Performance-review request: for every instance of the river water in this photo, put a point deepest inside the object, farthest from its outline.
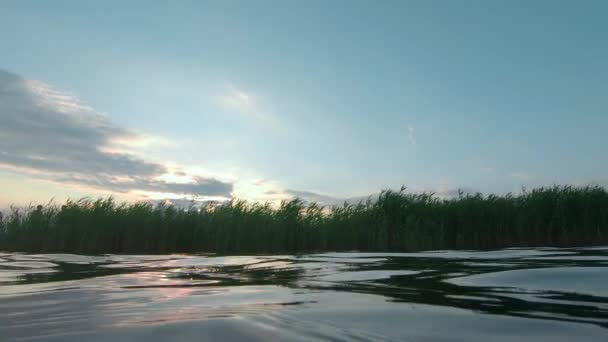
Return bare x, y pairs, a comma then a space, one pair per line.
507, 295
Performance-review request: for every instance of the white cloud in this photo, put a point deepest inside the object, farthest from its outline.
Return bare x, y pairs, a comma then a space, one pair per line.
245, 103
53, 136
324, 199
237, 99
411, 134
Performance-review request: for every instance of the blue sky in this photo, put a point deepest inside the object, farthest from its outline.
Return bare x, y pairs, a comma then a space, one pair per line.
334, 99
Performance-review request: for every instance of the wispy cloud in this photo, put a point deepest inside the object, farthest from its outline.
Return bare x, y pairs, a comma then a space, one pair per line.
310, 196
265, 190
442, 191
445, 191
238, 99
53, 136
244, 102
411, 134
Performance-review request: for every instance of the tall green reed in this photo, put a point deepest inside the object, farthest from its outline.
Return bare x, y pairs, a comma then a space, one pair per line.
394, 221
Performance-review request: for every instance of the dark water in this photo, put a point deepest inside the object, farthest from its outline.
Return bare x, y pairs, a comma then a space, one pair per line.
507, 295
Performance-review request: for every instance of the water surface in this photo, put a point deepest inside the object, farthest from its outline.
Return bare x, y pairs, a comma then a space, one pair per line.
540, 294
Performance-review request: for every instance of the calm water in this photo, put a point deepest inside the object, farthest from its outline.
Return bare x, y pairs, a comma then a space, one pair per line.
506, 295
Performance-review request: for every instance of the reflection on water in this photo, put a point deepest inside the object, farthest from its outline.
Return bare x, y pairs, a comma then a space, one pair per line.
513, 294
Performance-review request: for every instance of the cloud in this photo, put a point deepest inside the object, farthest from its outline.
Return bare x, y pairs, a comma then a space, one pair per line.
183, 203
442, 192
411, 134
53, 136
238, 99
450, 193
322, 199
246, 103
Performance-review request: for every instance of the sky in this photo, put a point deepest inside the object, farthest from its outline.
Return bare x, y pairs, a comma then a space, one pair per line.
325, 100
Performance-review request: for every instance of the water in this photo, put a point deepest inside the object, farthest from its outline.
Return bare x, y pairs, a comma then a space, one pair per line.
507, 295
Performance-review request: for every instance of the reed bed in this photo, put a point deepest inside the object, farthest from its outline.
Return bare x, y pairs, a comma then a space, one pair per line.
394, 221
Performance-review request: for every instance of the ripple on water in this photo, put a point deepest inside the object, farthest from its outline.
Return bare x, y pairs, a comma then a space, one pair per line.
365, 275
499, 254
28, 264
329, 296
454, 254
72, 258
574, 258
582, 280
181, 261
